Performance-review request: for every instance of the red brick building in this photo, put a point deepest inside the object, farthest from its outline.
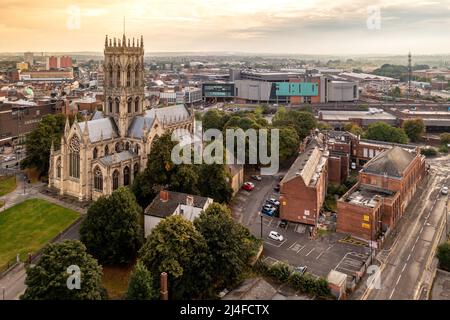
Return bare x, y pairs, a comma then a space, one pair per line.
303, 188
386, 185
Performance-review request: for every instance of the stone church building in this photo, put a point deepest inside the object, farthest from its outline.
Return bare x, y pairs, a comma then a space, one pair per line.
100, 155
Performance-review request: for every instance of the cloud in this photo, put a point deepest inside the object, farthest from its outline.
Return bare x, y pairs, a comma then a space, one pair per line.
232, 25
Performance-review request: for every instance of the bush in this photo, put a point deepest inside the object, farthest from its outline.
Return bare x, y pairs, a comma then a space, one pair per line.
309, 284
443, 254
279, 271
443, 148
429, 152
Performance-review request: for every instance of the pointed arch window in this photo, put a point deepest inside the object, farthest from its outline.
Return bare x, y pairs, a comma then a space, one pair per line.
118, 77
129, 76
136, 105
117, 105
106, 150
110, 105
74, 157
95, 153
129, 104
126, 176
98, 179
127, 146
110, 76
135, 170
136, 75
58, 168
115, 180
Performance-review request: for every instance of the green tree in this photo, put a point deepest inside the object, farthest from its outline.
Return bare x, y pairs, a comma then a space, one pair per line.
229, 246
354, 129
288, 143
185, 179
414, 128
112, 230
140, 285
303, 122
176, 247
443, 254
381, 131
214, 182
39, 141
214, 119
48, 279
445, 138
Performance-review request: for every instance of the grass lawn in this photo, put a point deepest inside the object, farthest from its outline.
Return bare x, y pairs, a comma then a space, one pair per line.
28, 226
7, 185
115, 280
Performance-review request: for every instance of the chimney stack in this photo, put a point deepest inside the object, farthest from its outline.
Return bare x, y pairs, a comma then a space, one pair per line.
164, 291
164, 195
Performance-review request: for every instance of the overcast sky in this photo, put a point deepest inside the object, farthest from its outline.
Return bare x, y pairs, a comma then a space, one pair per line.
265, 26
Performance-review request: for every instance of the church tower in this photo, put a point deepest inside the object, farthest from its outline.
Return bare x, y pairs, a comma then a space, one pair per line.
124, 80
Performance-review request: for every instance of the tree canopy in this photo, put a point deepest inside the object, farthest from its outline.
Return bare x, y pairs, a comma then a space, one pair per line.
414, 128
302, 121
176, 247
49, 278
229, 244
140, 285
39, 141
381, 131
112, 230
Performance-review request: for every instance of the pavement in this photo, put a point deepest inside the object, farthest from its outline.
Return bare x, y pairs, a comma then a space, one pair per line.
320, 255
441, 286
407, 262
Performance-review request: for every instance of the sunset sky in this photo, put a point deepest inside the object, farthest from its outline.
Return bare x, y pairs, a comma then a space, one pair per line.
265, 26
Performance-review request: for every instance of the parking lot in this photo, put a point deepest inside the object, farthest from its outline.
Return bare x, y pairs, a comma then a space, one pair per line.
321, 254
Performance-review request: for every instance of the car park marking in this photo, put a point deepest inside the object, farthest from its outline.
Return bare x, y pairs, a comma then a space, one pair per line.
292, 245
320, 254
310, 251
279, 243
301, 249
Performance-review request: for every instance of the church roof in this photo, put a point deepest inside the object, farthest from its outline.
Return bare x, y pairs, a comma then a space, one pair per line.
117, 157
171, 113
168, 114
105, 127
392, 162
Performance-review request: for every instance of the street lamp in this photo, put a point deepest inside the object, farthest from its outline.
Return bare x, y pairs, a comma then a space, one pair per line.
260, 214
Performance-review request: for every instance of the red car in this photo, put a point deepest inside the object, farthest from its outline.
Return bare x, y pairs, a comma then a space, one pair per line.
248, 186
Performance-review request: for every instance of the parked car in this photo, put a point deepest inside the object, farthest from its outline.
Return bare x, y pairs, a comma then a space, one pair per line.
280, 178
268, 210
248, 186
256, 177
277, 188
444, 190
301, 269
273, 201
276, 236
283, 224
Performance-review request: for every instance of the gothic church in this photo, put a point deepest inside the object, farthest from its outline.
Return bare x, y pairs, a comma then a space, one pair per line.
100, 155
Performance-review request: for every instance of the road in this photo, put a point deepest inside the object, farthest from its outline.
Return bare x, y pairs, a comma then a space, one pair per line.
405, 267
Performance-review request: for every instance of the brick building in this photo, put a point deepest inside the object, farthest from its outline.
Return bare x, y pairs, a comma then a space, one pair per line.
386, 185
17, 118
303, 188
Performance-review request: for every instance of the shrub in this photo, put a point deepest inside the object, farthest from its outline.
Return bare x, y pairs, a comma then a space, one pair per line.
443, 148
428, 152
443, 254
279, 271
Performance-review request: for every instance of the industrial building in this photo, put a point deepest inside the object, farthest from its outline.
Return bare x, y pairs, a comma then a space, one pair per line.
288, 87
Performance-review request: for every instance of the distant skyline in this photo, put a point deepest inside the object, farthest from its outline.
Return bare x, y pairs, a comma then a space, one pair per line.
317, 27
